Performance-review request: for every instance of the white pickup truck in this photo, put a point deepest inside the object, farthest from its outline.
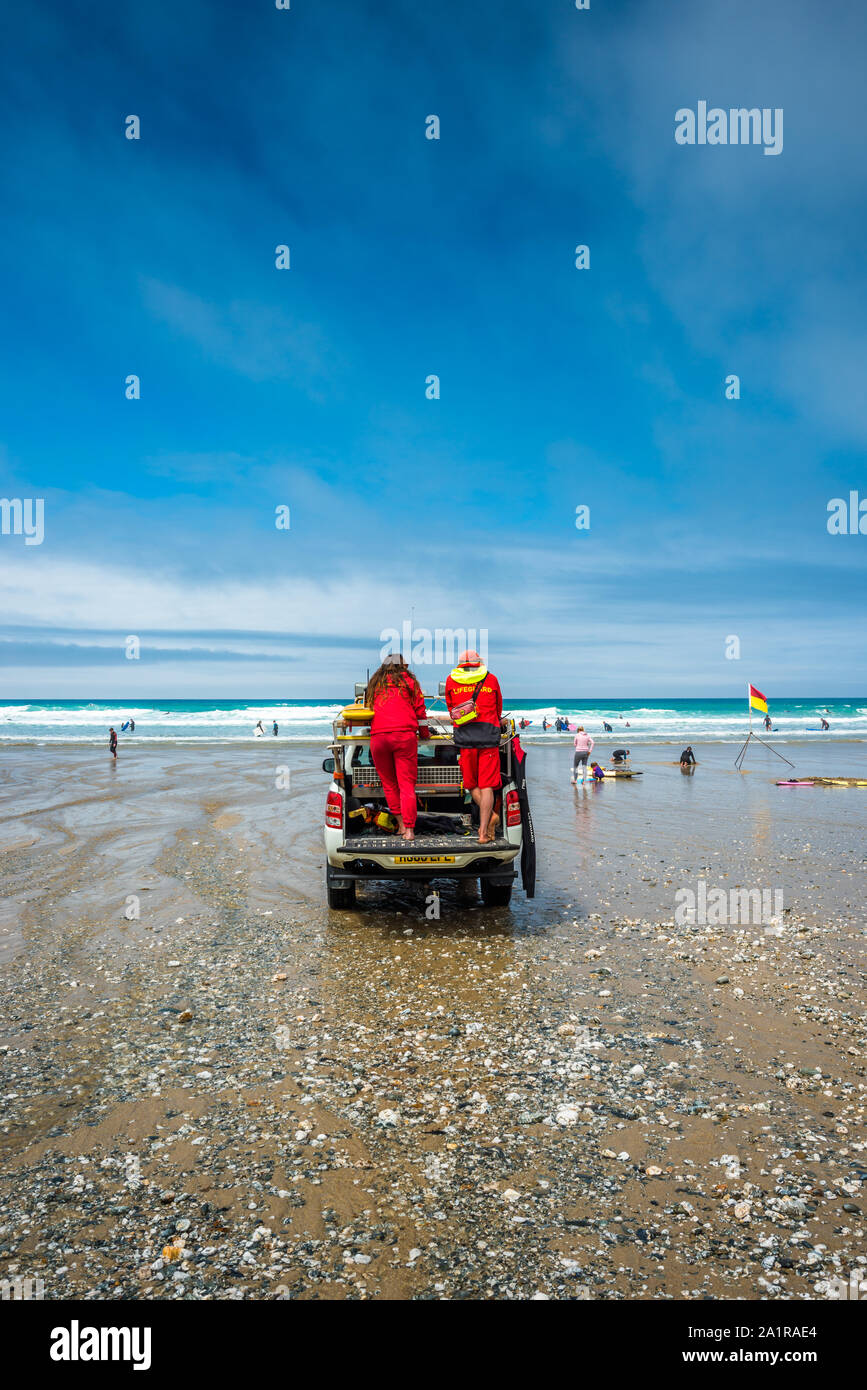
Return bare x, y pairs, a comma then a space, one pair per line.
446, 843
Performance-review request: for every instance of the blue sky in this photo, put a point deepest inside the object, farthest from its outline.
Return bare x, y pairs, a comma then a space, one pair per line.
409, 257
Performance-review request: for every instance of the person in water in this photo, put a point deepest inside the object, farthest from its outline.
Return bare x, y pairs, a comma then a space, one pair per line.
399, 721
687, 757
132, 726
767, 723
275, 730
583, 749
607, 727
475, 703
260, 726
825, 724
112, 743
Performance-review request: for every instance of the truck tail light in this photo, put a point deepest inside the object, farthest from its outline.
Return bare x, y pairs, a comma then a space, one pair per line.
334, 810
513, 808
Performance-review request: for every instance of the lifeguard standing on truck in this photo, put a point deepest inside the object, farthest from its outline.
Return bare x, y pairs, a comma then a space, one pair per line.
475, 703
399, 721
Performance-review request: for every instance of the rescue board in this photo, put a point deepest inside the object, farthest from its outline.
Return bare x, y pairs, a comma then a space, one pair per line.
840, 781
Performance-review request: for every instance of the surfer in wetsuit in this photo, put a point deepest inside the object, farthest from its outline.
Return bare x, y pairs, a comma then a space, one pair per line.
132, 726
112, 743
825, 724
276, 730
687, 757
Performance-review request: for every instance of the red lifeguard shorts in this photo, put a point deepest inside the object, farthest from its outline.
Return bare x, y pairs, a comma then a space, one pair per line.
480, 767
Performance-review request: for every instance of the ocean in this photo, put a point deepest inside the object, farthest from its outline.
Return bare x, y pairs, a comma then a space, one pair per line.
309, 721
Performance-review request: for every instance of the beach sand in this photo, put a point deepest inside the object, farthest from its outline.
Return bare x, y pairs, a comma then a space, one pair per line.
239, 1094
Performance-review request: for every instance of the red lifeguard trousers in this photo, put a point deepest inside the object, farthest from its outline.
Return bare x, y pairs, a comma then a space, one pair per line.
395, 757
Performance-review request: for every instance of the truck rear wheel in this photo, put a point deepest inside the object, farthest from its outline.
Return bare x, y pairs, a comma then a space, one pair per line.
339, 895
495, 894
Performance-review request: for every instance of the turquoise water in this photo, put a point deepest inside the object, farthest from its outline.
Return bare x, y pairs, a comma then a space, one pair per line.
674, 721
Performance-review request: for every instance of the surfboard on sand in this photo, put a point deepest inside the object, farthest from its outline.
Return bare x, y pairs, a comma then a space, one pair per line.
840, 781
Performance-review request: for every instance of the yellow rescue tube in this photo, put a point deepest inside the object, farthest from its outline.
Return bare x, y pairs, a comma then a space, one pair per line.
357, 714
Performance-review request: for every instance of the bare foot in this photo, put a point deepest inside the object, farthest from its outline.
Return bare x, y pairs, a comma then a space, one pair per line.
409, 834
492, 826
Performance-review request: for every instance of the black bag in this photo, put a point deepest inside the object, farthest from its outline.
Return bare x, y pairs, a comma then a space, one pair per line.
477, 734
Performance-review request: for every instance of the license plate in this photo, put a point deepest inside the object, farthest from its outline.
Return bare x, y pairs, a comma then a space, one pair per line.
424, 859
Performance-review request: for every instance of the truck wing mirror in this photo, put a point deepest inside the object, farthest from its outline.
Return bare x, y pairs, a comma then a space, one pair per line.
327, 764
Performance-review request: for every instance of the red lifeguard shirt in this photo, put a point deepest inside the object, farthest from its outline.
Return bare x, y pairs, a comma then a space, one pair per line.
399, 708
489, 705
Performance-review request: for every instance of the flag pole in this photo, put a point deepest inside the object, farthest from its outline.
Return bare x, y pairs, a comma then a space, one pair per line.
739, 760
740, 757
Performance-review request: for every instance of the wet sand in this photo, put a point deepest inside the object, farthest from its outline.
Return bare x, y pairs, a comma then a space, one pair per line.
239, 1094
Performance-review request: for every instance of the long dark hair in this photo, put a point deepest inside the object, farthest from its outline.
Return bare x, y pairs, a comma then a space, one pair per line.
394, 672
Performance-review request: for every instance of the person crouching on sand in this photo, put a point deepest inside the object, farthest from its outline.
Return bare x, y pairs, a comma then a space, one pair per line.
583, 748
399, 721
475, 703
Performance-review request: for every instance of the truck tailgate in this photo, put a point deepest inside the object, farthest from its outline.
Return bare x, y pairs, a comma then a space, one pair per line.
356, 845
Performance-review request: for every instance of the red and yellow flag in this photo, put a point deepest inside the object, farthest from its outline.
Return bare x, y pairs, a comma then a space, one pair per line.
757, 700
